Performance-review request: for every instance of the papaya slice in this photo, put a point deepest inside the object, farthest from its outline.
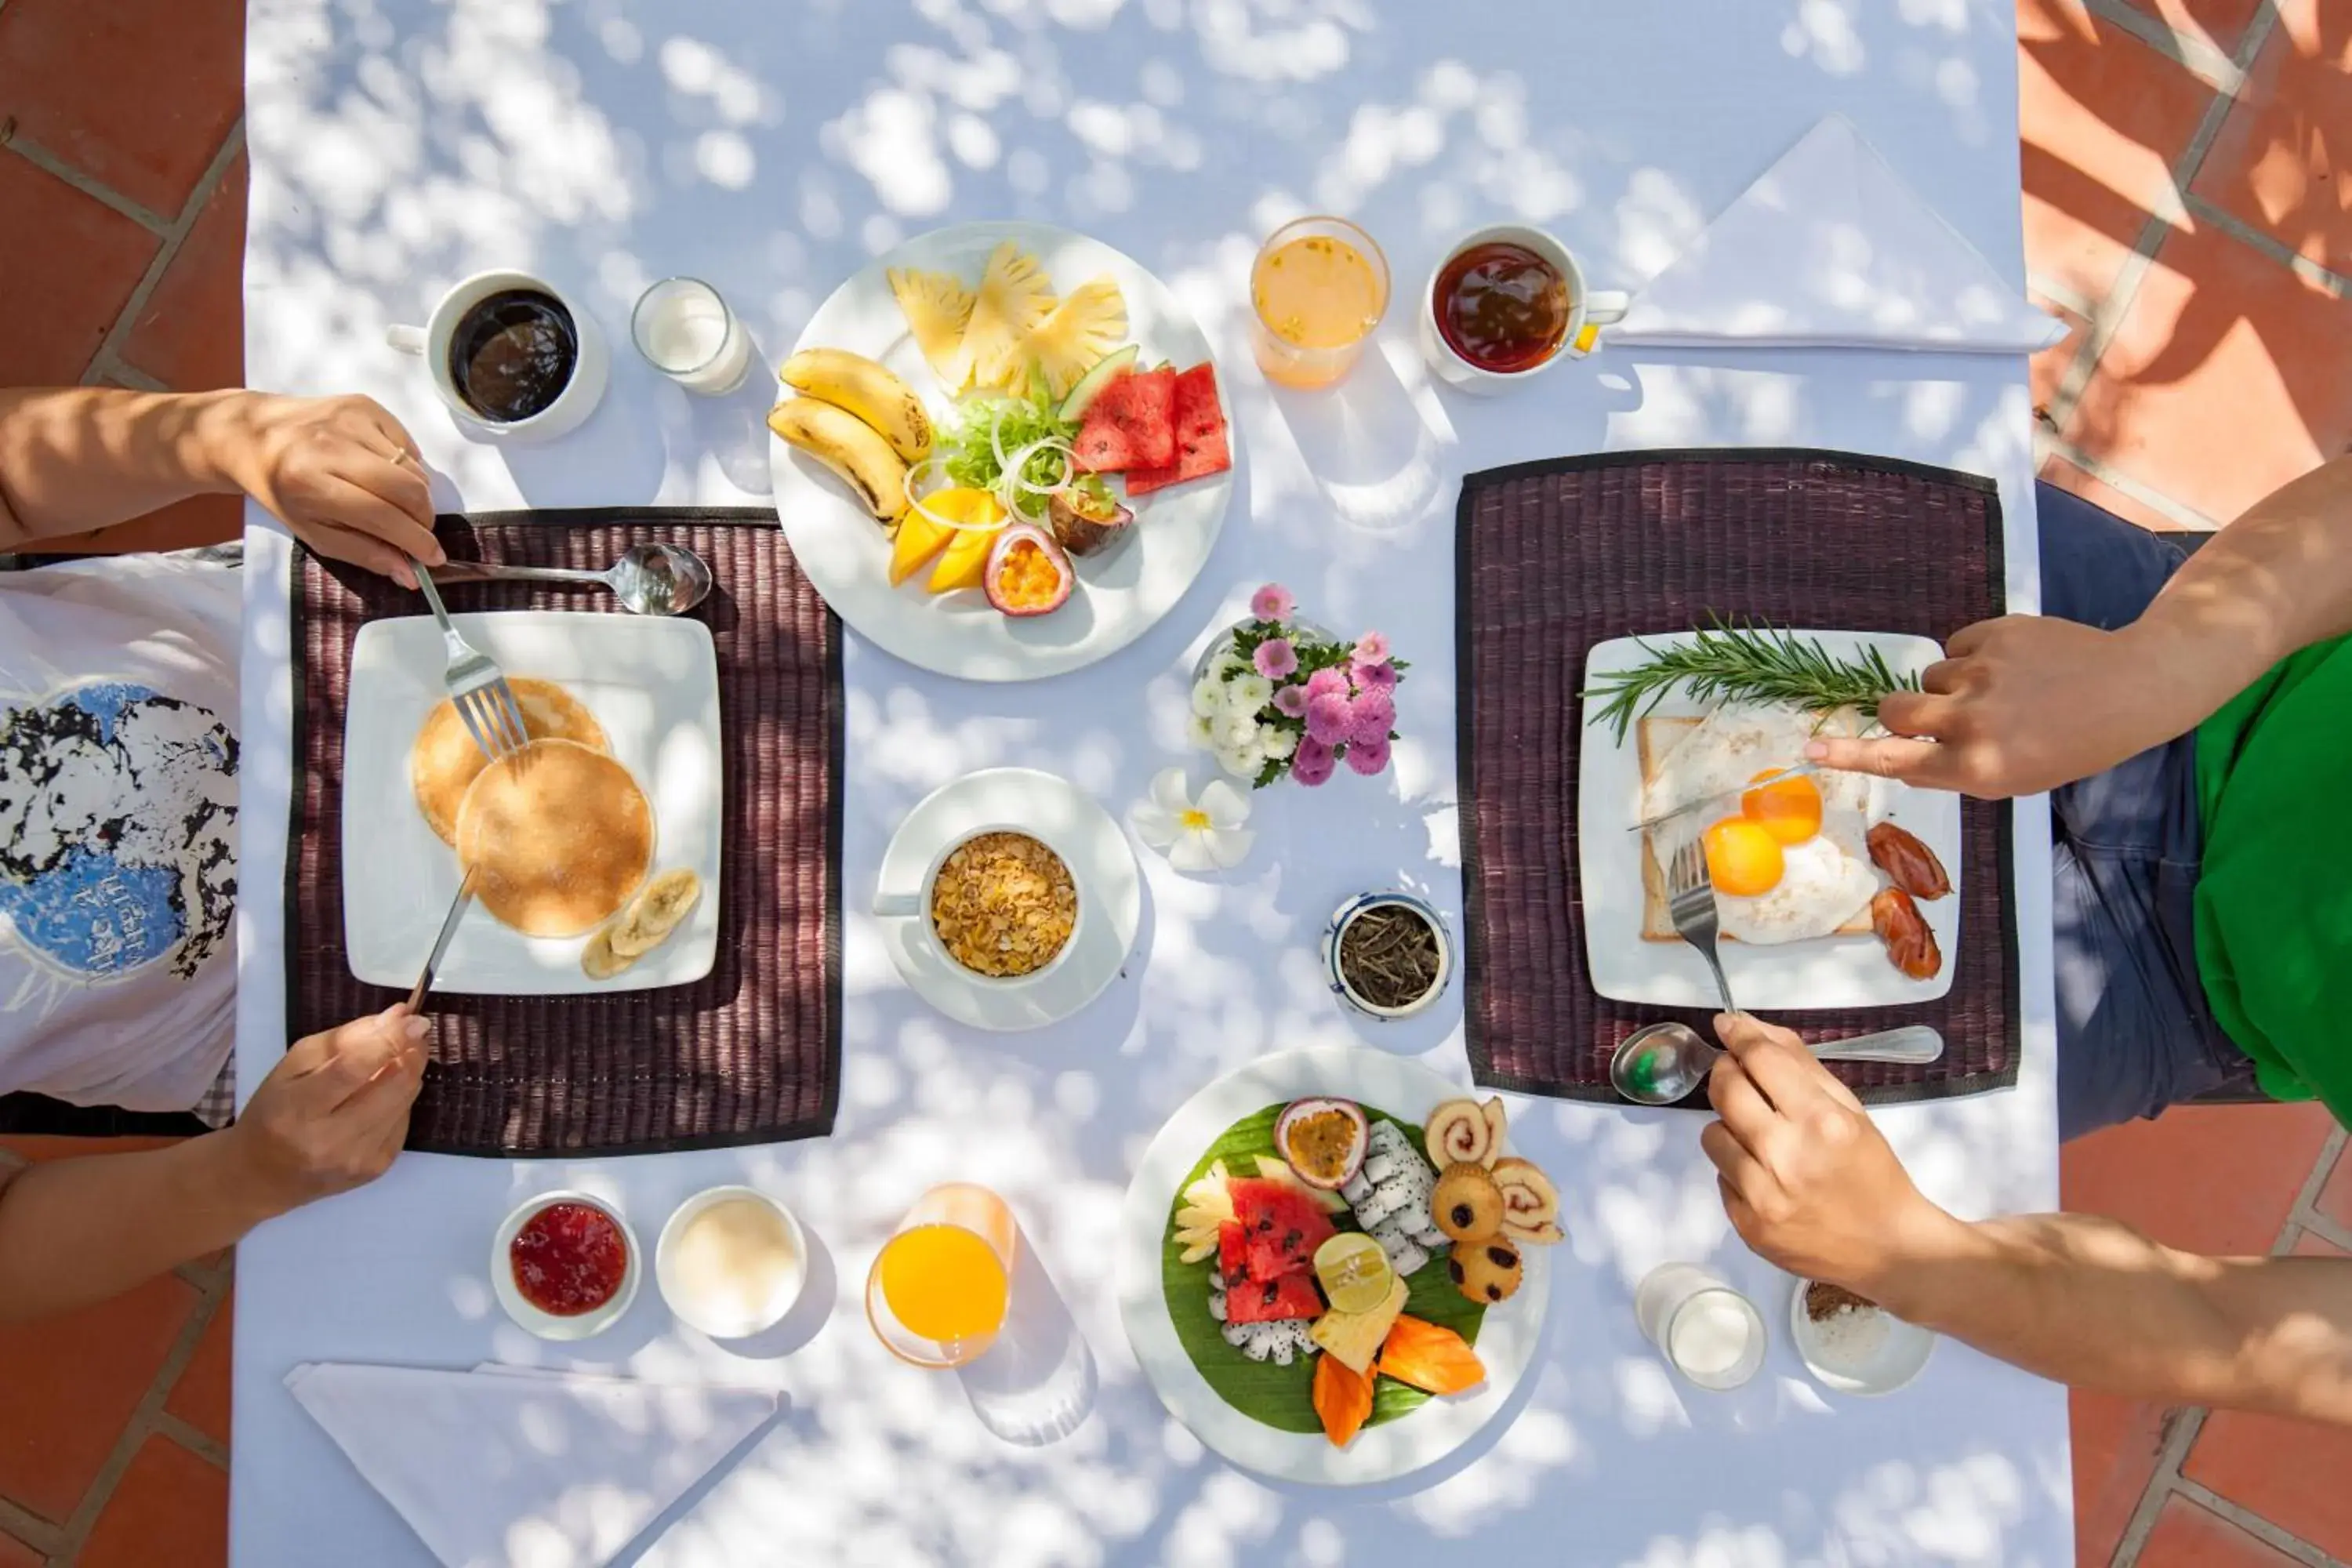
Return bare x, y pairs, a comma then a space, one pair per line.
1343, 1398
1432, 1359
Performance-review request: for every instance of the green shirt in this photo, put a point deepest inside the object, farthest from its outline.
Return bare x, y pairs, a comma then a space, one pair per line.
2275, 896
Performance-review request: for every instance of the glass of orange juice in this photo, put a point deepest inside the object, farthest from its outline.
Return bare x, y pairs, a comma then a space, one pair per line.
1319, 287
937, 1293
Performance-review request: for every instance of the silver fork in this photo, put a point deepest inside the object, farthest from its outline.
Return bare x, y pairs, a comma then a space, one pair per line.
478, 688
1690, 903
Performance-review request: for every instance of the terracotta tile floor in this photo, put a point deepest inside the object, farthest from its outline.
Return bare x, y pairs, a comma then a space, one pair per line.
2188, 171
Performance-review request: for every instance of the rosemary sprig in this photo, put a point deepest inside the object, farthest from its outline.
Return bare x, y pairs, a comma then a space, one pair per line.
1750, 662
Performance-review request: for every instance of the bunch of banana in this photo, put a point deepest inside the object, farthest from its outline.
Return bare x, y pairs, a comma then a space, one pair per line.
857, 419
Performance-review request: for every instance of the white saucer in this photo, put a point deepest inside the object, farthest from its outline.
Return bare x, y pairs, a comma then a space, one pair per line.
1111, 896
1898, 1361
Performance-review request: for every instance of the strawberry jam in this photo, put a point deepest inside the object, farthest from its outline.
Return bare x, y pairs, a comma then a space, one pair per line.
569, 1259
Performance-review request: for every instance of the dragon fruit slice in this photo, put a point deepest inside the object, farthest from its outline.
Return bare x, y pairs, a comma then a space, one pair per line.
1279, 1343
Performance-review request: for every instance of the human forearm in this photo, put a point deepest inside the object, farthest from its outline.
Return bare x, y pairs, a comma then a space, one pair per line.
80, 1230
2277, 579
77, 457
2093, 1304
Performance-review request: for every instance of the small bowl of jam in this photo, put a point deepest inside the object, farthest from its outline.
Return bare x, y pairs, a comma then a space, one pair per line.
1506, 303
564, 1265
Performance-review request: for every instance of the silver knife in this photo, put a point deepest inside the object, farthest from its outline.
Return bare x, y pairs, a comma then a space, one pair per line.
1725, 798
441, 943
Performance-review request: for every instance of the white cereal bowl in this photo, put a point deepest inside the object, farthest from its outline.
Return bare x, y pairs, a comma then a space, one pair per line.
547, 1325
1897, 1363
786, 1294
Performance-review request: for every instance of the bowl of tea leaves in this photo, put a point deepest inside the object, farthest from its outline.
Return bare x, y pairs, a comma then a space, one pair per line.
1388, 955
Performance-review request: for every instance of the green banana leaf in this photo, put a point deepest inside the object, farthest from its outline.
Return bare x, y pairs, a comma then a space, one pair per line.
1283, 1396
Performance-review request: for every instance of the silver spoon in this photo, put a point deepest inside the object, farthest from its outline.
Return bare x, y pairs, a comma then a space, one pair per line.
649, 579
1665, 1062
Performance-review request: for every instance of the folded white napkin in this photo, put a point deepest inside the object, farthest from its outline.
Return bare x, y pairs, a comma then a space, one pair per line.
1831, 248
494, 1471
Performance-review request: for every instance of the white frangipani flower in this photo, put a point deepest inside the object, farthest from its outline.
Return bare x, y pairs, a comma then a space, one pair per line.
1206, 835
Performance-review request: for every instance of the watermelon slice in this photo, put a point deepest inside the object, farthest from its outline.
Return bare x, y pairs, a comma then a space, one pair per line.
1284, 1227
1292, 1296
1233, 1255
1130, 424
1199, 436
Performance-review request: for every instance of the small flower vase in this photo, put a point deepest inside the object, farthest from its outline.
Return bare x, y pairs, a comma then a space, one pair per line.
1221, 647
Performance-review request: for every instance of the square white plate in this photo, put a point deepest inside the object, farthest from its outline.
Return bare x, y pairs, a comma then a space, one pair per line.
1829, 971
653, 683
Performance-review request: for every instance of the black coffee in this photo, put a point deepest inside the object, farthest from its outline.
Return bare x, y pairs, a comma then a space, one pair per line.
512, 355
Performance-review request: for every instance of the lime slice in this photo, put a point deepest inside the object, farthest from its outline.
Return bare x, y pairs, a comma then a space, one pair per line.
1355, 1272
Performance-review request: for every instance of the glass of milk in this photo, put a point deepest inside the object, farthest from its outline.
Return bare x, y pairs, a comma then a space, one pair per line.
686, 332
1709, 1332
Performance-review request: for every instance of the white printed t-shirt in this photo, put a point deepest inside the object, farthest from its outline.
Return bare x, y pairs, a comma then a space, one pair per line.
117, 830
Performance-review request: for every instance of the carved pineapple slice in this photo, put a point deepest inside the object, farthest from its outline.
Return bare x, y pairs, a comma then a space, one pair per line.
1013, 297
937, 307
1089, 322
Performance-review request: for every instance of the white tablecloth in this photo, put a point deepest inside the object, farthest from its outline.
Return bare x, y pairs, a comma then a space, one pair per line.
771, 148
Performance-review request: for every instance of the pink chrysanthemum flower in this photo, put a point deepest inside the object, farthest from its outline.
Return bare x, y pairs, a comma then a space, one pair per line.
1328, 682
1374, 676
1367, 757
1330, 718
1275, 659
1373, 648
1372, 716
1313, 764
1290, 701
1273, 602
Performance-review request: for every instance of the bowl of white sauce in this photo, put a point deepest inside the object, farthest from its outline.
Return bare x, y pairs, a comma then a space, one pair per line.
730, 1262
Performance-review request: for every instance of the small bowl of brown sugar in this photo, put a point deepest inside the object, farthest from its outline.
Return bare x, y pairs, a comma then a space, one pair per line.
1001, 905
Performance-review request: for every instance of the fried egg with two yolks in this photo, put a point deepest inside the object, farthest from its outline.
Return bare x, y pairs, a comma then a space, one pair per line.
1791, 860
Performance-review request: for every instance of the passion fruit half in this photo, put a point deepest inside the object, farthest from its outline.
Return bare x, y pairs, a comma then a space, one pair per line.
1083, 523
1028, 572
1323, 1139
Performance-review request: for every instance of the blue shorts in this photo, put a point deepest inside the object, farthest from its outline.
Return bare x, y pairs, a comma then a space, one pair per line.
2134, 1033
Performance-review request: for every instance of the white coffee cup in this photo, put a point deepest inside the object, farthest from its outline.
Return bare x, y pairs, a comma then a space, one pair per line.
431, 341
917, 905
1589, 310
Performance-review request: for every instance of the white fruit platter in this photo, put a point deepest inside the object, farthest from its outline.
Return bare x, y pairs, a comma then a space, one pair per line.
1329, 1269
1004, 453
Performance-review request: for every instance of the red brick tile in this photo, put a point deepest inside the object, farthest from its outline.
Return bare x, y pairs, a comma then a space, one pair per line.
182, 525
68, 264
2283, 160
2224, 380
2058, 471
191, 335
15, 1554
201, 1397
2215, 1179
2102, 118
2186, 1536
171, 1507
2220, 22
138, 97
72, 1382
2289, 1472
2049, 368
2335, 1199
2117, 1444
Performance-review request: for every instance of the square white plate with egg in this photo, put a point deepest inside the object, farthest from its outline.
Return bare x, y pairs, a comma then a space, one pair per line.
651, 682
1818, 972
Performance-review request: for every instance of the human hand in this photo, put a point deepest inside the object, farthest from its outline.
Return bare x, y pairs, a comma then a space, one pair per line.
341, 474
2025, 703
1809, 1183
335, 1112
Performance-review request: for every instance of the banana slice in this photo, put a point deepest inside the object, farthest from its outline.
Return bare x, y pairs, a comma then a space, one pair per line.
654, 913
598, 960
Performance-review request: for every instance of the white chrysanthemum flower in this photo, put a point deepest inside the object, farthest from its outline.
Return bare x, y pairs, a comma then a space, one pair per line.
1201, 731
1208, 697
1248, 693
1279, 743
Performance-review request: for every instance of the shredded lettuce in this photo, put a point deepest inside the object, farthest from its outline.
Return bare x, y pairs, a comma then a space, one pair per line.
1015, 423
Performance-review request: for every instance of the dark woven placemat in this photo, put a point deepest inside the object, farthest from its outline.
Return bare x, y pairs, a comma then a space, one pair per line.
1555, 557
749, 1054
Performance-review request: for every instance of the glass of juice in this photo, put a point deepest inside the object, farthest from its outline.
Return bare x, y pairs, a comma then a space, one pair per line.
937, 1293
1319, 287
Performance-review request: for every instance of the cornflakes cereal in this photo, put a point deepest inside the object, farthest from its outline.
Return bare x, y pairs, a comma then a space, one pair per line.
1003, 905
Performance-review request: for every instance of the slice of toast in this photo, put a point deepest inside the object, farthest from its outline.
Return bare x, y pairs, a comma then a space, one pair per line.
1652, 739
